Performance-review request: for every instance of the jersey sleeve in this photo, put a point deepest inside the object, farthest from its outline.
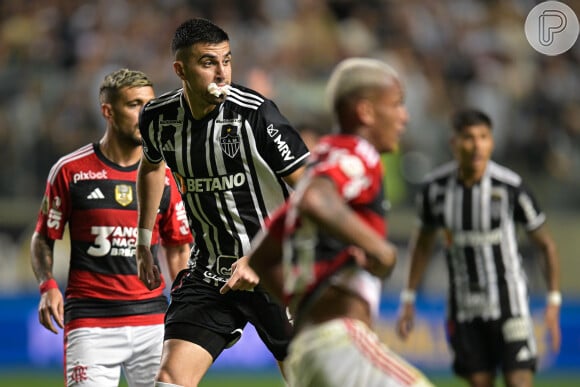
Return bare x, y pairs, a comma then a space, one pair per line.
526, 209
276, 224
355, 180
148, 131
173, 224
55, 208
424, 208
280, 143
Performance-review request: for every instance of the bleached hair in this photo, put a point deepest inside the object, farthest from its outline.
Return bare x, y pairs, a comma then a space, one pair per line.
353, 75
119, 79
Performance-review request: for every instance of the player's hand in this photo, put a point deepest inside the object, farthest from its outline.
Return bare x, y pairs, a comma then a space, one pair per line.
552, 319
405, 320
242, 278
51, 307
149, 273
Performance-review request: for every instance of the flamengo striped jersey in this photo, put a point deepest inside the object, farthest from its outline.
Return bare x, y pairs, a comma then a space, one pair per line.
98, 200
485, 266
228, 166
312, 257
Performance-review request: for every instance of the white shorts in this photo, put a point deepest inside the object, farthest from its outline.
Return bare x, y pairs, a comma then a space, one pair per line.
94, 356
346, 353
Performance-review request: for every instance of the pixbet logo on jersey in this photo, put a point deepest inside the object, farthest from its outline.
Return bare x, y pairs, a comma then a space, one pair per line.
89, 175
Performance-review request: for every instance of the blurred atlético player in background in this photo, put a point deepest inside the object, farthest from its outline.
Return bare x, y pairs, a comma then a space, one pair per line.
478, 204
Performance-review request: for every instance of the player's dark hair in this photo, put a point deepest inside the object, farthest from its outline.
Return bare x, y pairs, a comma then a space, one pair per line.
197, 30
469, 117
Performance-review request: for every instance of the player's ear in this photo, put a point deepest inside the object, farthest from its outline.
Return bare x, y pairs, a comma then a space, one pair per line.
365, 111
178, 68
107, 110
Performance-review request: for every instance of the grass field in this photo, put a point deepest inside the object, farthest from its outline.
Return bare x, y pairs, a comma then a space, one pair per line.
266, 380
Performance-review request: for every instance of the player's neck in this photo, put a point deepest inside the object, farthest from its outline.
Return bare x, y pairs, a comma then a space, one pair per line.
470, 177
124, 155
198, 111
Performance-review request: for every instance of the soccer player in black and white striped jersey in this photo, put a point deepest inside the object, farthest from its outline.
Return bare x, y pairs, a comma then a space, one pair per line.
235, 158
478, 204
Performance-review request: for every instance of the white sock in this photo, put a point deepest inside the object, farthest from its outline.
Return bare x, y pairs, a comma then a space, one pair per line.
161, 384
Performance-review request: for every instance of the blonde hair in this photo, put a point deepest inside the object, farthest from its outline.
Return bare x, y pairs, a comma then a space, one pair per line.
117, 80
355, 75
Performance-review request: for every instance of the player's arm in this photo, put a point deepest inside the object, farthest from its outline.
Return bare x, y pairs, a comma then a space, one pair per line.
265, 257
150, 186
177, 257
51, 305
243, 276
551, 267
322, 203
421, 246
292, 179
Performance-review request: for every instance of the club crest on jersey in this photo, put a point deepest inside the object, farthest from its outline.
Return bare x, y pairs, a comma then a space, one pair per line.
124, 194
230, 141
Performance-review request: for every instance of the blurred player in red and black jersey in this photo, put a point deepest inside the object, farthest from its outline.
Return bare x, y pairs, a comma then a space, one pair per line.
110, 319
325, 253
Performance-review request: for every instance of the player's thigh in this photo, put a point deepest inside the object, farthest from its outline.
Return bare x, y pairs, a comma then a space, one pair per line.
374, 364
481, 379
93, 356
346, 353
204, 317
183, 363
143, 364
519, 378
518, 350
472, 347
270, 320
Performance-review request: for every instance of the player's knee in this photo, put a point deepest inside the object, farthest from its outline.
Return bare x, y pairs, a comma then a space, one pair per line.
162, 384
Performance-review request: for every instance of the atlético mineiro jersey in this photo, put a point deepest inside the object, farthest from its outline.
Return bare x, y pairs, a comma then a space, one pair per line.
312, 258
98, 201
485, 266
228, 166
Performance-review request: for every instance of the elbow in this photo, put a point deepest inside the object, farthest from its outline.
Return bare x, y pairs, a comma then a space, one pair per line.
390, 260
382, 263
316, 204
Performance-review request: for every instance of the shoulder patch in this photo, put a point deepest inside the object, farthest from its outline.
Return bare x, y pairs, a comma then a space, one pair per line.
351, 166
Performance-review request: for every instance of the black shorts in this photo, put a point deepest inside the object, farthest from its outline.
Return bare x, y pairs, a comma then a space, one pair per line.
483, 346
200, 314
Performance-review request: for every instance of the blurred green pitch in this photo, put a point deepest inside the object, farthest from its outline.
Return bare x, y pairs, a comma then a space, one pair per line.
215, 379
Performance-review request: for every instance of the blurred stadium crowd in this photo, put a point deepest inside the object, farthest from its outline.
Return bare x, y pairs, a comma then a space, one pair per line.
53, 54
451, 53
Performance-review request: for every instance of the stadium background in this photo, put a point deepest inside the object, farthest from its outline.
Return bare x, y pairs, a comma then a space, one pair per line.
53, 54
